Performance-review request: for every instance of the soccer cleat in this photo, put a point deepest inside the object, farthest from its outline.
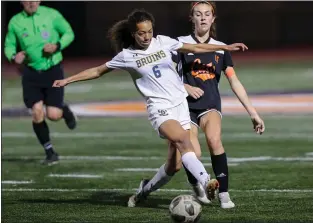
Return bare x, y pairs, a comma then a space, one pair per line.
138, 196
70, 118
51, 160
200, 194
211, 189
225, 200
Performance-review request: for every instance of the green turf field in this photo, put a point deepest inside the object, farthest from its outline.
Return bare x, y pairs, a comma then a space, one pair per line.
106, 148
103, 161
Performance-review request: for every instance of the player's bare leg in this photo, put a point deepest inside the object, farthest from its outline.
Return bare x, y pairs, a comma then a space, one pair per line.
179, 137
211, 125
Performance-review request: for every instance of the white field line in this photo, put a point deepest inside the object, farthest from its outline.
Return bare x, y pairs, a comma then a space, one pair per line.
136, 169
99, 158
156, 169
229, 164
309, 154
16, 182
160, 190
75, 175
233, 136
134, 158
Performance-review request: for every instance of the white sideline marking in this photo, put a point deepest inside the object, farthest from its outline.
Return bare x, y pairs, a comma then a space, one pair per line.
156, 169
233, 136
82, 88
160, 190
94, 158
76, 175
15, 182
268, 158
134, 158
137, 169
309, 154
79, 134
229, 164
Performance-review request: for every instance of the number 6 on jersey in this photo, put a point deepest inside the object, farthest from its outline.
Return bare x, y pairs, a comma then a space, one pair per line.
157, 73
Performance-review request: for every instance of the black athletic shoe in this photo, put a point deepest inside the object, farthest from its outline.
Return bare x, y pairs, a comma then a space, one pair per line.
69, 117
51, 160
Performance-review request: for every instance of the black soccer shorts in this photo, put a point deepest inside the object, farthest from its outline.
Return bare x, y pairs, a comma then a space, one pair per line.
37, 86
196, 114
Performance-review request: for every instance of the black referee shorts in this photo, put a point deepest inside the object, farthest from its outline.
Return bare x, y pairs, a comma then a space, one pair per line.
37, 86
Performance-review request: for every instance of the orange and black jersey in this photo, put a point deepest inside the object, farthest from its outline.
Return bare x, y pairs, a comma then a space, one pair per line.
203, 70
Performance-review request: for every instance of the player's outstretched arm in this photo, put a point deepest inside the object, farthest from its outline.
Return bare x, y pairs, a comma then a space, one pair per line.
240, 92
206, 48
88, 74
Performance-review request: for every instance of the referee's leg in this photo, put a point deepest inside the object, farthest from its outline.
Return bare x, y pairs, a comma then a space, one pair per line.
57, 109
33, 99
41, 130
54, 100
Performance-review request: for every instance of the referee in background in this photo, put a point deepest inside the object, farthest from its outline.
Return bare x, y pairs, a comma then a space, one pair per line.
41, 33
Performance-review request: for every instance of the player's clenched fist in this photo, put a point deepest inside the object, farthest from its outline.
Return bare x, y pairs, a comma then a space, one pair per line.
60, 83
19, 57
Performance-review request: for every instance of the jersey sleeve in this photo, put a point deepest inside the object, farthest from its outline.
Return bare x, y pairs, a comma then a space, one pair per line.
64, 29
117, 62
10, 43
175, 56
227, 61
169, 44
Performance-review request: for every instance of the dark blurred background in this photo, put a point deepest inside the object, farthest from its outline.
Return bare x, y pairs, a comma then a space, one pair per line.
261, 25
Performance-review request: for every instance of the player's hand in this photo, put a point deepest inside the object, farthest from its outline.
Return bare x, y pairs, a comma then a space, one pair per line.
236, 47
50, 48
194, 92
19, 57
258, 124
60, 83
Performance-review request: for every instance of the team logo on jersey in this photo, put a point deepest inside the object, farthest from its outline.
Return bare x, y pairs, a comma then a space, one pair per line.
162, 112
150, 59
45, 35
217, 58
202, 71
25, 35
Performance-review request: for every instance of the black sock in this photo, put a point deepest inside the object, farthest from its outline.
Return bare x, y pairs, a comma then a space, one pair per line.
191, 179
220, 168
42, 132
67, 113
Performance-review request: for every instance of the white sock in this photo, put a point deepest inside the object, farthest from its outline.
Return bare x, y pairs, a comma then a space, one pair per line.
159, 179
196, 168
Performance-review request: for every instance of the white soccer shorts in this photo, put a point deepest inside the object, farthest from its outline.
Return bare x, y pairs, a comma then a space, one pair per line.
179, 113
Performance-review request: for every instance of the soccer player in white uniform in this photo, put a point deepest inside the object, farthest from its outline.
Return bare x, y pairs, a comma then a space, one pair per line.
149, 62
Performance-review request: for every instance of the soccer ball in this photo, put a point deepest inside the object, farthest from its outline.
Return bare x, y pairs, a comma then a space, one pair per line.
185, 208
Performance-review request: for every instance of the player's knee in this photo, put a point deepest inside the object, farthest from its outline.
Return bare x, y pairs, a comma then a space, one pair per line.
182, 141
54, 116
214, 142
38, 113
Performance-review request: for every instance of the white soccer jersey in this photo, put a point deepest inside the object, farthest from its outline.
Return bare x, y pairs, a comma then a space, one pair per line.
153, 71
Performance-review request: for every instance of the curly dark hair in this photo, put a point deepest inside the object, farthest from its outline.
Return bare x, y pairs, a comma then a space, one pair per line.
121, 32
